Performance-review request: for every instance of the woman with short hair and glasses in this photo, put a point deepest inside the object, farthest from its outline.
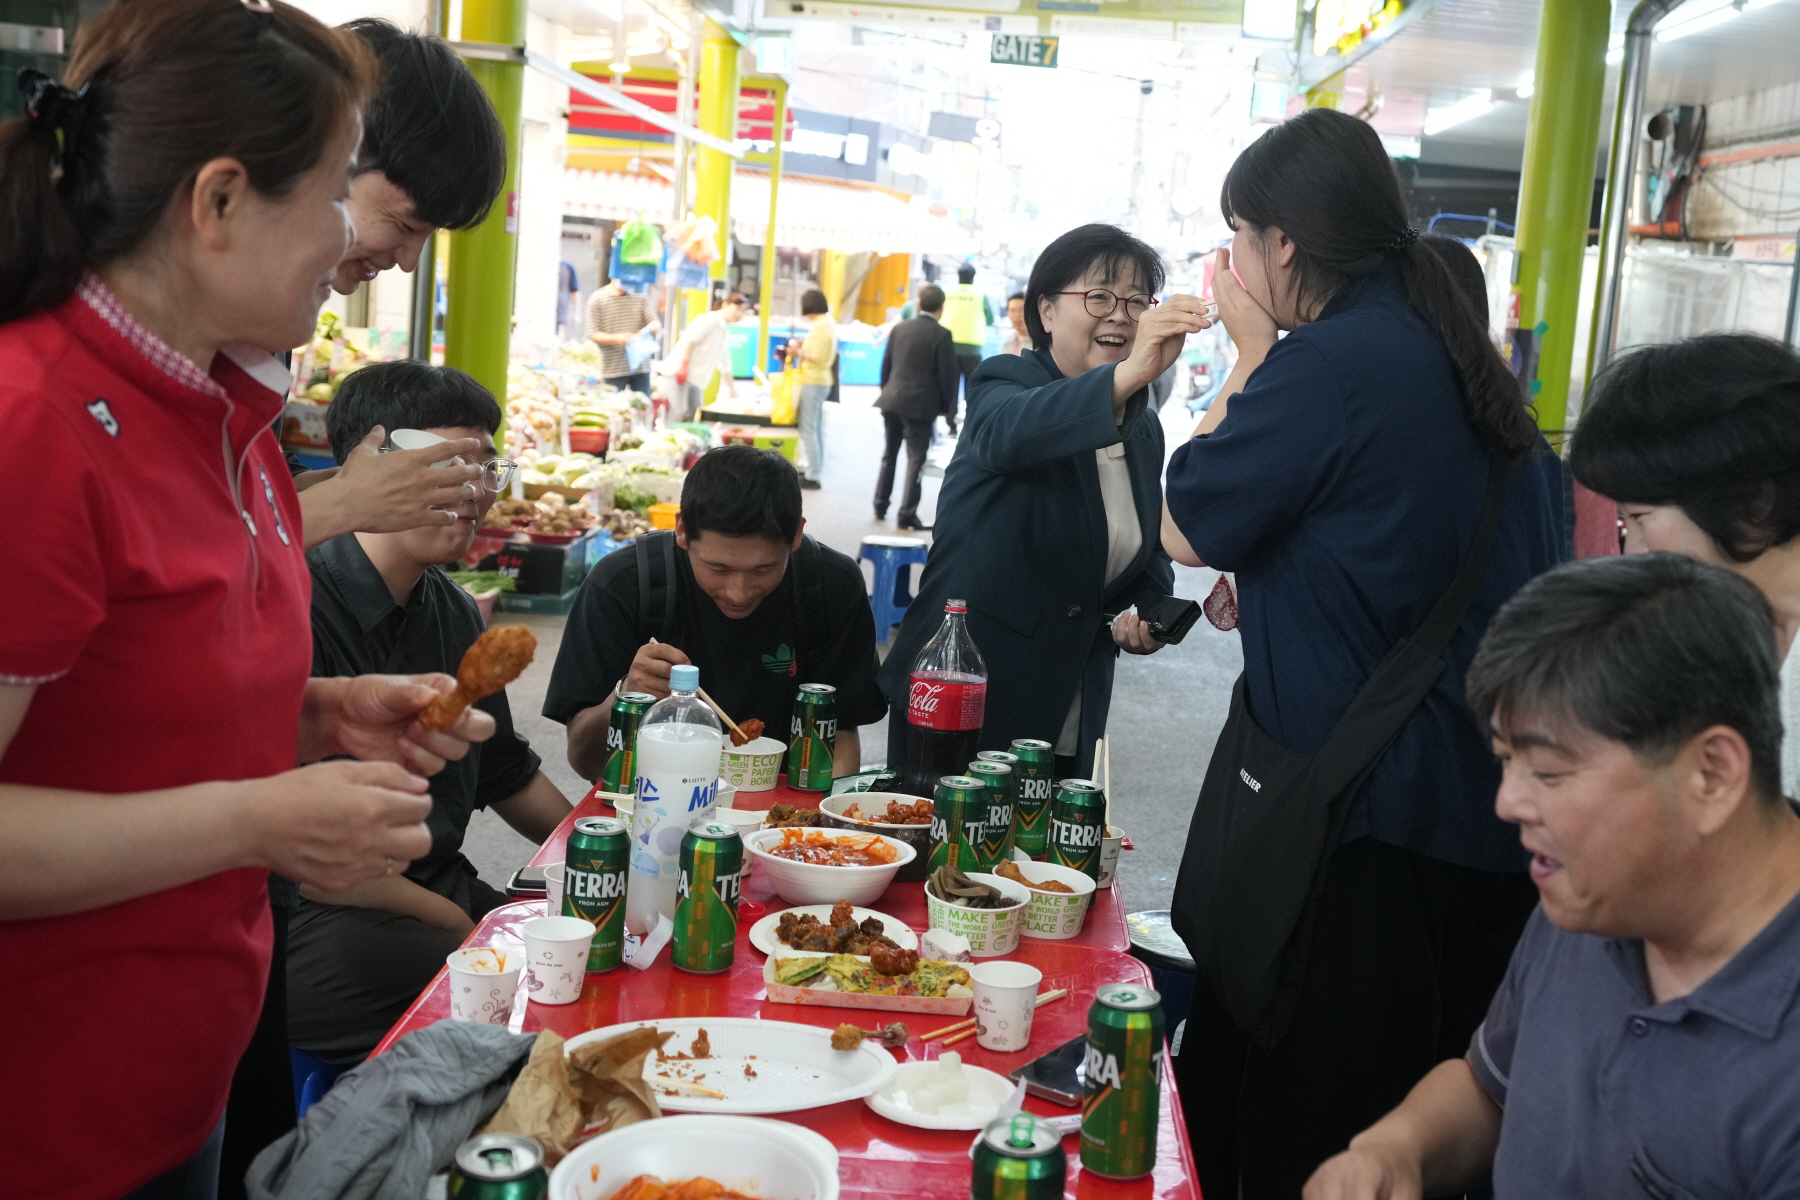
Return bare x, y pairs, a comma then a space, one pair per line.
1047, 519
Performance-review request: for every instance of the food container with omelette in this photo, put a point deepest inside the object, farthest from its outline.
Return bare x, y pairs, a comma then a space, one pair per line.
817, 866
887, 979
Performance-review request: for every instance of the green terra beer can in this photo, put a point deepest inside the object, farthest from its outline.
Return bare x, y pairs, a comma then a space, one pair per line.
958, 810
997, 831
1032, 776
594, 885
621, 741
814, 737
1123, 1070
706, 897
1019, 1158
499, 1166
1077, 823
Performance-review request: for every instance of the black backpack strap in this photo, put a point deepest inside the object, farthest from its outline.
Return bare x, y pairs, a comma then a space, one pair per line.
805, 574
656, 585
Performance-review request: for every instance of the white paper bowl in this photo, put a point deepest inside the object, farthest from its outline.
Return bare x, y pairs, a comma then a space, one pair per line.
809, 883
752, 767
917, 836
773, 1160
1055, 915
991, 931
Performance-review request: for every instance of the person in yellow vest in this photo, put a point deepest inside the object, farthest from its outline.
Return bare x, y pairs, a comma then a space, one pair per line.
967, 315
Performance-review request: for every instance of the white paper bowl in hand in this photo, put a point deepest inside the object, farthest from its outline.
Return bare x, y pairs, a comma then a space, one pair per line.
814, 883
772, 1160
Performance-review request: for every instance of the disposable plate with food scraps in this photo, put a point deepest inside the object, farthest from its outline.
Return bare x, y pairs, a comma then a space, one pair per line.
763, 933
761, 1066
788, 993
920, 1095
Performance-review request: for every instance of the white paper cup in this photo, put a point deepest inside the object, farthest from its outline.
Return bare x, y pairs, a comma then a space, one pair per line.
556, 950
1005, 998
555, 876
482, 982
991, 931
1109, 855
726, 796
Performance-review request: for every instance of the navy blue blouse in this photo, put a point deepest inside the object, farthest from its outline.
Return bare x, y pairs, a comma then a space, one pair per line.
1343, 488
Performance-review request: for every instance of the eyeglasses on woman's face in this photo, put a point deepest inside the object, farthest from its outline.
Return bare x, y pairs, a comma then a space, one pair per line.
1101, 303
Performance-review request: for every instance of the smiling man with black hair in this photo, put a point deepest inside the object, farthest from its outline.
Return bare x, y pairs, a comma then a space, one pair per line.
739, 591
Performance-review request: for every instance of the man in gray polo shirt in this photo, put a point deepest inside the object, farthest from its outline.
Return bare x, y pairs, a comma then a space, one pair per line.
1645, 1042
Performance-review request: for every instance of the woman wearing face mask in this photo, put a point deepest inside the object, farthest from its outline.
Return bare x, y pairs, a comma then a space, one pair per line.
1047, 520
174, 214
1343, 476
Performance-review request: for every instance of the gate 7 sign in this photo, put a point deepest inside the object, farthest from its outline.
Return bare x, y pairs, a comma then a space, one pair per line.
1024, 50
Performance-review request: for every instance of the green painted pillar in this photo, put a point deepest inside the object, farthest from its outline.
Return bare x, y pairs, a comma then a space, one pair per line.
478, 319
1556, 197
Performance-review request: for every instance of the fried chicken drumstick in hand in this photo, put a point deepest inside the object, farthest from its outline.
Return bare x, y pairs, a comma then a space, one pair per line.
497, 658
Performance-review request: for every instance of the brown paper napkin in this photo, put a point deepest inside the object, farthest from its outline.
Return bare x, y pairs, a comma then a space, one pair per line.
562, 1100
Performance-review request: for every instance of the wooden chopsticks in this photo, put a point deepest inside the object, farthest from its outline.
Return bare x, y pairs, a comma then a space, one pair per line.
966, 1028
714, 705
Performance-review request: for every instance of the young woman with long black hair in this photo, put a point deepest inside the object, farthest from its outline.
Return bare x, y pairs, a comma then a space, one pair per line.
1343, 477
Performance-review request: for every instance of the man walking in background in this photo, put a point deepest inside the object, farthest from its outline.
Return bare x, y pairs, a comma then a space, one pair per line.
967, 314
918, 382
614, 317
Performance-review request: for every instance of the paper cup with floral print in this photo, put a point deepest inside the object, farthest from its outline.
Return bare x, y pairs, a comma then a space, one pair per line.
482, 982
556, 951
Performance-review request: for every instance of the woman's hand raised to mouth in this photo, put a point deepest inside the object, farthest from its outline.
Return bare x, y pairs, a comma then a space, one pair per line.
1161, 334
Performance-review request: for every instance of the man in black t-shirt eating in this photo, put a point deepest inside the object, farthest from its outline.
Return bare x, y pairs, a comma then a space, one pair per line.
739, 591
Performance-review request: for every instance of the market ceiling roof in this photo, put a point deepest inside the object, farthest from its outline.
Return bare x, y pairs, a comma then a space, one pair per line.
811, 214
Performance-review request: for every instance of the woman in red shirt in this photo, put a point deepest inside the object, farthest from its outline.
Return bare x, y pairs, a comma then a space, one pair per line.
174, 215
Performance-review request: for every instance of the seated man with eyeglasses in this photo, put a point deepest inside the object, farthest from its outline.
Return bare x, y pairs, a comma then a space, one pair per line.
382, 604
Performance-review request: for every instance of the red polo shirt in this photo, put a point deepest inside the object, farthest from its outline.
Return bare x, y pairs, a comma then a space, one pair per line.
157, 599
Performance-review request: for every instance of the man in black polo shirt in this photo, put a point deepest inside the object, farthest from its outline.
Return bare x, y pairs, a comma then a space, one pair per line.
1646, 1041
739, 591
380, 604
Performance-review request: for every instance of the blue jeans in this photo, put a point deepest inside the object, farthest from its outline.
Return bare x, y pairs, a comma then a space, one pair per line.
812, 428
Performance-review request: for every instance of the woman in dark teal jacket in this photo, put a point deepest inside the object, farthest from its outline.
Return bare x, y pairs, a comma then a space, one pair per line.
1047, 523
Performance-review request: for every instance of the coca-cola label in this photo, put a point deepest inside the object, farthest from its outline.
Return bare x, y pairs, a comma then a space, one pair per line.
946, 704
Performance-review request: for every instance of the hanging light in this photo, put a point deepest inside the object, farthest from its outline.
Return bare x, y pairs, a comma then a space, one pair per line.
1479, 103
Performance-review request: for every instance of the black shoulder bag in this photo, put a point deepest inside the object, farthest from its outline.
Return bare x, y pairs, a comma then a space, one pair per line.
1268, 819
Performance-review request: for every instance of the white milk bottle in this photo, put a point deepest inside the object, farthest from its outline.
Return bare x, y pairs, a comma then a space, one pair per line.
677, 780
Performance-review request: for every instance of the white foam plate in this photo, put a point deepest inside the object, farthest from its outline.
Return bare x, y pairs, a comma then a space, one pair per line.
795, 1066
987, 1092
762, 934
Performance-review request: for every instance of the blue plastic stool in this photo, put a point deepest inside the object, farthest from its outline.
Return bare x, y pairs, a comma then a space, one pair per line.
893, 582
313, 1077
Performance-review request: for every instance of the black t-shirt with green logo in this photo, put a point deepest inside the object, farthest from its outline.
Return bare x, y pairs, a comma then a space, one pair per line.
752, 667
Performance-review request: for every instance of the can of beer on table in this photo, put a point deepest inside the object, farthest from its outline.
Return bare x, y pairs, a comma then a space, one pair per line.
1123, 1073
1019, 1158
498, 1166
706, 898
814, 738
1031, 807
621, 741
997, 834
1077, 823
594, 885
958, 810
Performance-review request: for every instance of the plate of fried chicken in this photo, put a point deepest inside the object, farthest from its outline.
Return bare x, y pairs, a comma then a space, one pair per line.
839, 928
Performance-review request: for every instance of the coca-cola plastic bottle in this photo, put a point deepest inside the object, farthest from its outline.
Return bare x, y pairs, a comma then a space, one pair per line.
947, 703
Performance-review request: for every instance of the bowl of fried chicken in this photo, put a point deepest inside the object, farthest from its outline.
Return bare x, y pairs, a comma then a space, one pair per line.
903, 818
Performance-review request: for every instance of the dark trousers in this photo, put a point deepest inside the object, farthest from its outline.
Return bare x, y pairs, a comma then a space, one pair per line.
195, 1179
261, 1107
638, 381
917, 436
967, 359
352, 972
1406, 955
